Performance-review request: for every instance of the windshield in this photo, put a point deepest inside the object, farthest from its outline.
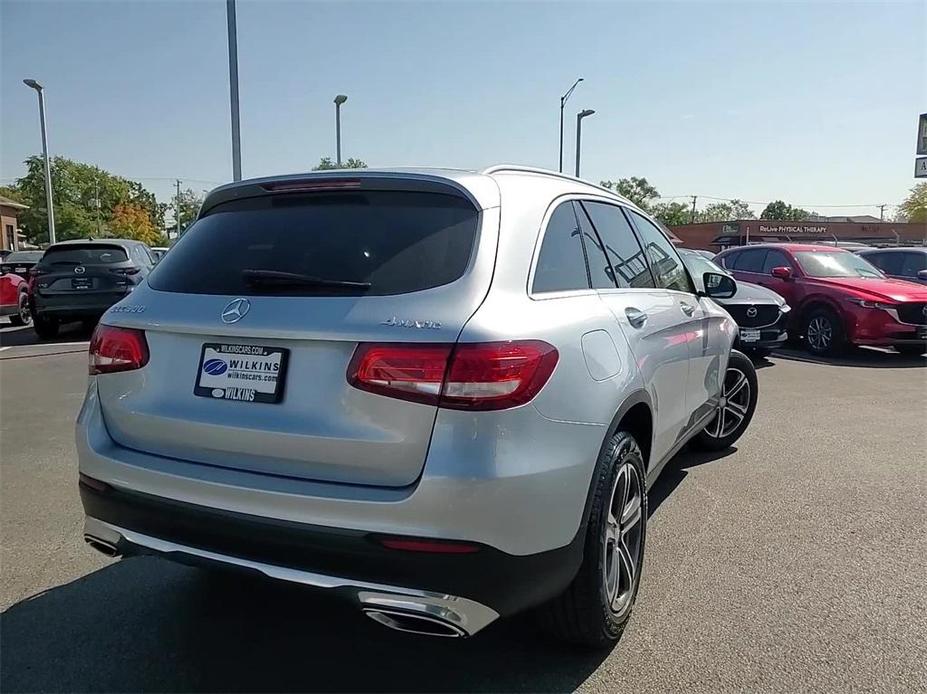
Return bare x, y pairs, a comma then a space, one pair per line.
836, 264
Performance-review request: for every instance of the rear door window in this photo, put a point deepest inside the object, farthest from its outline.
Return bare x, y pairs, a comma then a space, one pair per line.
600, 271
624, 252
561, 263
396, 241
90, 254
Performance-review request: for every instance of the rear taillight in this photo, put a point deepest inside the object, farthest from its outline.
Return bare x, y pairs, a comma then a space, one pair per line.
117, 349
475, 376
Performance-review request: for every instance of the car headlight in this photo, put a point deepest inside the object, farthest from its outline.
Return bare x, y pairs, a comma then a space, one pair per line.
870, 304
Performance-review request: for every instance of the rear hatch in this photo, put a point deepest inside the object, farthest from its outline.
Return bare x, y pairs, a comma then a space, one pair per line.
92, 271
249, 354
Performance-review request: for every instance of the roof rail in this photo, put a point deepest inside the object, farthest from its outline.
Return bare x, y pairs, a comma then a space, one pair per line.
547, 172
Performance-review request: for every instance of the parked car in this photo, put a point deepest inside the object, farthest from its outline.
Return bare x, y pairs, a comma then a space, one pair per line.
14, 298
838, 298
761, 314
705, 254
434, 392
80, 280
900, 263
4, 252
20, 262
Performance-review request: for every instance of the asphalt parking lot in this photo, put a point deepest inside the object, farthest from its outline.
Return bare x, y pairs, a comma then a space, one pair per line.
795, 562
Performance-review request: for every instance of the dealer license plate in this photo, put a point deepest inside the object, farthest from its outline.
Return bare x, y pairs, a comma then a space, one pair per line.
246, 373
81, 283
749, 335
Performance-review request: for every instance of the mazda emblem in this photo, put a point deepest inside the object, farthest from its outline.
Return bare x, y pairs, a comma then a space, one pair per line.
80, 270
235, 310
751, 312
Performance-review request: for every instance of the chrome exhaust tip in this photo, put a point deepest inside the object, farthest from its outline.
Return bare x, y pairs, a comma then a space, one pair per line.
102, 546
415, 624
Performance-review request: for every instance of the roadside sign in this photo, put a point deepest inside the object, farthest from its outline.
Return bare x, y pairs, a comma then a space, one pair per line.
922, 135
920, 167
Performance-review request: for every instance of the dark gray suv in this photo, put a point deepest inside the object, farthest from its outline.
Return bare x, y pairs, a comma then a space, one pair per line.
81, 279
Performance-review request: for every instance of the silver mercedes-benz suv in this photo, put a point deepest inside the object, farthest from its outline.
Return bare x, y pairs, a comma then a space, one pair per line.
441, 394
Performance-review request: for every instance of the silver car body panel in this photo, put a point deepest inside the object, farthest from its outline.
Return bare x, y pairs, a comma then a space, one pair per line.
332, 455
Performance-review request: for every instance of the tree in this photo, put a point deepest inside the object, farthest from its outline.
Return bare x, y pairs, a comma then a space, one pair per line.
671, 213
725, 212
781, 211
12, 193
77, 190
326, 164
635, 189
132, 221
914, 207
190, 203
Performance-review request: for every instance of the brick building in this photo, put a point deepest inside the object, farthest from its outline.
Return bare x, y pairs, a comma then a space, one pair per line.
9, 228
714, 236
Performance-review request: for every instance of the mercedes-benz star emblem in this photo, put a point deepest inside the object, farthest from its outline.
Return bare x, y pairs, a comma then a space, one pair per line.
751, 312
235, 310
80, 270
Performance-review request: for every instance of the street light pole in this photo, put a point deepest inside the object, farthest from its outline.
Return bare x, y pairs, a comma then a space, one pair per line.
563, 100
340, 99
579, 133
49, 202
233, 89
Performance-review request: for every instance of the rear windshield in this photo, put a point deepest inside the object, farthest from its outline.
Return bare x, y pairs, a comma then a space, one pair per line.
95, 254
23, 257
395, 241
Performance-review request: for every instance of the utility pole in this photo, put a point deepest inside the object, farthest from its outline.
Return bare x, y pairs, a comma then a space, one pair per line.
233, 89
692, 216
882, 212
177, 205
96, 201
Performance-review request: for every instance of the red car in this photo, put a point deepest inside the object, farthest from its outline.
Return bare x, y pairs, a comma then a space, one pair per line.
14, 299
837, 297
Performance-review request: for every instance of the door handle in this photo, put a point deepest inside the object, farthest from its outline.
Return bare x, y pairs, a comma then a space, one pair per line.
688, 309
636, 317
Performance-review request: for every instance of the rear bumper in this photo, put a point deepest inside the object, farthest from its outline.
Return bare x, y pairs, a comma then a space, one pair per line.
62, 307
494, 582
444, 615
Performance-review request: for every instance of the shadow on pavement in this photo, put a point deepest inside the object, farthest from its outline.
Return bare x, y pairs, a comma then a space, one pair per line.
145, 624
675, 472
859, 357
25, 335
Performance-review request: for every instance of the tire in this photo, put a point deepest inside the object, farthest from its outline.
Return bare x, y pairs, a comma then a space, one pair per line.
24, 317
740, 386
45, 328
911, 350
823, 331
596, 607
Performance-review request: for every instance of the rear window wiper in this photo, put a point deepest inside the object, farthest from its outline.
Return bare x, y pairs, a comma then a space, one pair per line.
278, 278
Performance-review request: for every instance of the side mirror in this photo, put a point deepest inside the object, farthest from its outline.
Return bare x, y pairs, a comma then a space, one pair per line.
718, 286
783, 273
922, 275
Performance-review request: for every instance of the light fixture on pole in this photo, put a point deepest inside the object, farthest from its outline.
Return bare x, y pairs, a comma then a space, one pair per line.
233, 89
579, 133
563, 100
49, 202
340, 99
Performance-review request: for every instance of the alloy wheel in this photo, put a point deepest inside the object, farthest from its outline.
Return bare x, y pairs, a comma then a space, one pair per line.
623, 534
733, 406
820, 333
24, 315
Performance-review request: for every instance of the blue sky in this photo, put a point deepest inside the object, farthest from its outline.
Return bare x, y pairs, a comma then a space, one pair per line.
814, 103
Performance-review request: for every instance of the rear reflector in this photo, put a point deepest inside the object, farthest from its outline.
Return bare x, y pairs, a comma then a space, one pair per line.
117, 349
470, 376
411, 544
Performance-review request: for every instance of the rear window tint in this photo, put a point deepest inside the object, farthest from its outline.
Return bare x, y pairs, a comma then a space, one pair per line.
398, 242
95, 254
